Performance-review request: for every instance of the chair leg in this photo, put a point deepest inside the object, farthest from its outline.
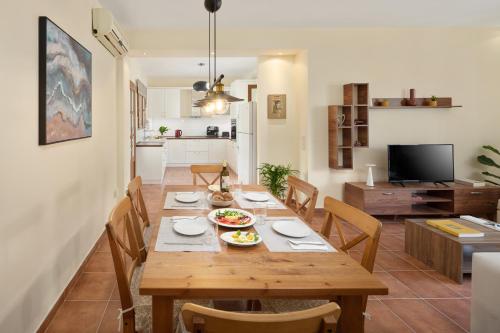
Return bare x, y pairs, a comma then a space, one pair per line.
254, 305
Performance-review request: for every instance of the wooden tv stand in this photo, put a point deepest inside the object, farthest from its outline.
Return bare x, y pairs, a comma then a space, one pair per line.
423, 199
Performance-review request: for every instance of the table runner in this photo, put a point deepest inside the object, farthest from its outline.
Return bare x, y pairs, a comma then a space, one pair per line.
166, 234
171, 203
276, 242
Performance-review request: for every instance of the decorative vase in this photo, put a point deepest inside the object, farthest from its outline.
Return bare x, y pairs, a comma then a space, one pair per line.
369, 177
412, 101
385, 103
433, 103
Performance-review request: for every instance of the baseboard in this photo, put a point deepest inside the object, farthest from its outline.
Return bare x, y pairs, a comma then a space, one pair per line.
60, 300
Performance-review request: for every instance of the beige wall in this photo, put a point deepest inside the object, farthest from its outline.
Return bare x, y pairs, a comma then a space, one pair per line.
462, 63
277, 139
54, 199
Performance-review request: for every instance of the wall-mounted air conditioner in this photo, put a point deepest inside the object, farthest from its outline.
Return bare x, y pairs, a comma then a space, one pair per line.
105, 29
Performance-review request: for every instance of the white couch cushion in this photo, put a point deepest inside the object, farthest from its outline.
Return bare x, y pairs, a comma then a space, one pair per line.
485, 307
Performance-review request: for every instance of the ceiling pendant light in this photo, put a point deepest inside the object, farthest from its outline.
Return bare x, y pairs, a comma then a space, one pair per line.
215, 100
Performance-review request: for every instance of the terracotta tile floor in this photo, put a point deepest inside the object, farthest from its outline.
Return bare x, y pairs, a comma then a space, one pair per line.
419, 300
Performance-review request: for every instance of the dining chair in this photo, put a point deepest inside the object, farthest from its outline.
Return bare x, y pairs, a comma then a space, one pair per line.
199, 319
199, 169
298, 188
140, 217
369, 229
126, 260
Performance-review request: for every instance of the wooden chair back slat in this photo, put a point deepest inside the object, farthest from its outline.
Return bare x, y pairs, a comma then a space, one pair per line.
198, 171
338, 212
125, 254
322, 319
140, 217
305, 207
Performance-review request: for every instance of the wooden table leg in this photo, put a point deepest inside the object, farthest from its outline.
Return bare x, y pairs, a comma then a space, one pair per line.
351, 319
163, 314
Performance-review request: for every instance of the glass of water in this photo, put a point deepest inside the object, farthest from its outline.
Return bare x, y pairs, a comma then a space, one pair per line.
260, 213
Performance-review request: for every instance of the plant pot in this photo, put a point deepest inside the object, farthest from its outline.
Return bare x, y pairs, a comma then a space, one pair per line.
433, 103
385, 103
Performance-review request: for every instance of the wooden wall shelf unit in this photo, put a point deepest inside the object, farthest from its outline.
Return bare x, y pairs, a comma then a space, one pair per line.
423, 199
422, 103
352, 132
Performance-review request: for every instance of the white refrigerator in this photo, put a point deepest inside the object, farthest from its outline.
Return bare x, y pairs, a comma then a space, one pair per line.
246, 138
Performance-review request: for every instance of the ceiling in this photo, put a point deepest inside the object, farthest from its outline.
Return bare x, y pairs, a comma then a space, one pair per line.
158, 14
239, 67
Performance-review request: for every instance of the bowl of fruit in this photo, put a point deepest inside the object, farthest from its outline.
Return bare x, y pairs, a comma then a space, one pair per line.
220, 199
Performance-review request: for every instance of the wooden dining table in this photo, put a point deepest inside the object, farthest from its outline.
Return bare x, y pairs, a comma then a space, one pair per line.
252, 273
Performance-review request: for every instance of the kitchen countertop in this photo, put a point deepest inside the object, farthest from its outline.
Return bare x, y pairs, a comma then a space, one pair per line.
160, 142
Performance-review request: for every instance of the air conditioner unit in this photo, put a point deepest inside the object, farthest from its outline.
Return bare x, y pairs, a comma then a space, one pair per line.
105, 29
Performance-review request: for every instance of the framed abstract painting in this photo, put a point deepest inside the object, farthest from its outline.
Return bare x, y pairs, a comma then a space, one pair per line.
65, 86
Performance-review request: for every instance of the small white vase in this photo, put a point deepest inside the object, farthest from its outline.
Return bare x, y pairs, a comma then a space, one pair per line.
369, 177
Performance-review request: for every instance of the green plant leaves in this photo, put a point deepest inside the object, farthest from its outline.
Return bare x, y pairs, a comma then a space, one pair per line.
274, 177
486, 173
493, 149
485, 160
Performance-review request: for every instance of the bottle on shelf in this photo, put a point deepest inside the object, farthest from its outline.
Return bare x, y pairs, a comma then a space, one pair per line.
224, 178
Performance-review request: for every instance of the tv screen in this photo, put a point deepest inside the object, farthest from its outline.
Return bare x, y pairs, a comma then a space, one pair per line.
421, 163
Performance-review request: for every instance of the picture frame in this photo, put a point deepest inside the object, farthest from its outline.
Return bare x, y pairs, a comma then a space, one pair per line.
65, 85
276, 106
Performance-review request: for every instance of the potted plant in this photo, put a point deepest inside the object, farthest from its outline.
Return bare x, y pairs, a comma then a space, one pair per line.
275, 177
489, 162
163, 129
434, 101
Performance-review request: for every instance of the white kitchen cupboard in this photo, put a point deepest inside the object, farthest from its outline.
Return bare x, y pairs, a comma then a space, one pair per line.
181, 152
172, 103
149, 164
176, 151
156, 103
217, 151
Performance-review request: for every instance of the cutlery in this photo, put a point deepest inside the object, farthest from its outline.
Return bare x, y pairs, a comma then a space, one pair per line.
183, 243
181, 218
309, 247
294, 242
185, 206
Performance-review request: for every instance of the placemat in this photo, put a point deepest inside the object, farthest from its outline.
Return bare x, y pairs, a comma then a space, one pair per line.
170, 241
276, 242
244, 203
171, 203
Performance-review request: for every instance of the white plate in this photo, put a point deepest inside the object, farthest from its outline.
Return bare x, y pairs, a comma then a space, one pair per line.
190, 228
218, 203
292, 228
211, 217
187, 197
254, 196
227, 237
214, 188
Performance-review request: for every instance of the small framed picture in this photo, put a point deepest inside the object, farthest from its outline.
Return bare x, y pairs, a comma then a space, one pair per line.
276, 106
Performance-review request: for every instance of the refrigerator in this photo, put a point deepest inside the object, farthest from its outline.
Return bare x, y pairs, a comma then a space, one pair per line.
246, 138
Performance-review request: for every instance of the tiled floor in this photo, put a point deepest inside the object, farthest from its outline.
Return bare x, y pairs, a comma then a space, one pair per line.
419, 300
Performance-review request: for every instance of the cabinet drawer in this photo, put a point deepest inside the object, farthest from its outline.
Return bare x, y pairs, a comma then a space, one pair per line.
476, 201
197, 157
387, 202
197, 145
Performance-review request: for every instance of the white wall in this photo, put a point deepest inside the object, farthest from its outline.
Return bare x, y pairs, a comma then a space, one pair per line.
54, 199
460, 62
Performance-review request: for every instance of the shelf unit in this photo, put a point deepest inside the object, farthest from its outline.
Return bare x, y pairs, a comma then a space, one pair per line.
352, 132
422, 103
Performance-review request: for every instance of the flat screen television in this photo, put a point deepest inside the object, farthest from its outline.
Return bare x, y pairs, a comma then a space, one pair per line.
421, 163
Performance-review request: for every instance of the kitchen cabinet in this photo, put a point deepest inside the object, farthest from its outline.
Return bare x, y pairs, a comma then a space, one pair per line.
217, 151
181, 152
156, 103
176, 151
172, 103
149, 164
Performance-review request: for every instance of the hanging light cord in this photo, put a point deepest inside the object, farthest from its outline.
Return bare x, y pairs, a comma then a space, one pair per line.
209, 50
215, 42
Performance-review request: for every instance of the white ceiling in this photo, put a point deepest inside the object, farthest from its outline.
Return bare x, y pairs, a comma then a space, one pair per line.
156, 14
239, 67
